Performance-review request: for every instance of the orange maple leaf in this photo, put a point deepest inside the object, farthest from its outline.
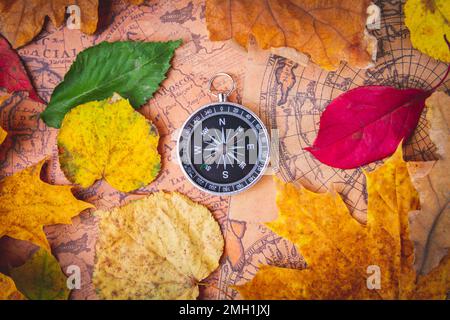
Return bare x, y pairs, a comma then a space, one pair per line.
22, 20
348, 260
328, 31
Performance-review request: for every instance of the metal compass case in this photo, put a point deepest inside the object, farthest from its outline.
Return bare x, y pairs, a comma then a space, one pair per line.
223, 148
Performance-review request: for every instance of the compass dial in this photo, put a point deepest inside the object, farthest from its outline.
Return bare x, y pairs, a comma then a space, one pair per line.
223, 148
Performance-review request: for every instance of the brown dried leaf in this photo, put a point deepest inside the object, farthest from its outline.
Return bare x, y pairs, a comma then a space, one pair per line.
21, 20
430, 226
329, 32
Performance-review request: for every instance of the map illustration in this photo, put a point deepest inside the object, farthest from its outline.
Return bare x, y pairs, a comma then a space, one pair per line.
288, 96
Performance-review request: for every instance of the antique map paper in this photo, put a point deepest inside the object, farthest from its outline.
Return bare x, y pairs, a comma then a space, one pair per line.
287, 95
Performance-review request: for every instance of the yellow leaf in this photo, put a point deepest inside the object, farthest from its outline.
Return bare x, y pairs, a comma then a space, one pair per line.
3, 135
391, 197
343, 256
428, 22
435, 284
328, 33
28, 204
430, 225
159, 247
4, 96
108, 139
8, 290
22, 20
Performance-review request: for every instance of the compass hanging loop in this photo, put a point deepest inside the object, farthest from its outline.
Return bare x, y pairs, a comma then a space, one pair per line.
221, 95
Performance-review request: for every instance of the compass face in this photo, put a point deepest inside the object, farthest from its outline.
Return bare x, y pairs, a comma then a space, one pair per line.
223, 148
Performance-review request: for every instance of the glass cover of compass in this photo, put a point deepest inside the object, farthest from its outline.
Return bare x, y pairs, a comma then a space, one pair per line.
223, 148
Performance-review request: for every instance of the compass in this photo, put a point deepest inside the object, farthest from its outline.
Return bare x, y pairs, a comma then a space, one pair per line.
223, 147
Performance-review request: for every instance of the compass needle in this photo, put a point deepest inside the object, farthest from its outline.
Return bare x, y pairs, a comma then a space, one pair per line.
224, 162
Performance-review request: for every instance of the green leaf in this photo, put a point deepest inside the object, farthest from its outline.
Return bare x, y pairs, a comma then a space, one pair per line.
41, 278
132, 69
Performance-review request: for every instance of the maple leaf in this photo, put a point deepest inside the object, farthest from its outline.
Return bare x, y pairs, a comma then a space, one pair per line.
21, 20
8, 290
342, 254
428, 22
329, 32
27, 204
41, 278
430, 225
109, 139
159, 247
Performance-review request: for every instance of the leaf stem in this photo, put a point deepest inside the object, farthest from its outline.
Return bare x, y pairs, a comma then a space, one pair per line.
446, 73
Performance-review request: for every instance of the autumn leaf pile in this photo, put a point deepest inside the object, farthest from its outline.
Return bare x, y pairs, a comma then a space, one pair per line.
339, 251
102, 137
342, 254
32, 14
164, 245
28, 204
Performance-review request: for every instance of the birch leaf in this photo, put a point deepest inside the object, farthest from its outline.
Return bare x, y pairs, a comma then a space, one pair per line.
108, 139
159, 247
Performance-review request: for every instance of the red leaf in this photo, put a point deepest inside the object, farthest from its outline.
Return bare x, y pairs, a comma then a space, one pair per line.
13, 76
366, 124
